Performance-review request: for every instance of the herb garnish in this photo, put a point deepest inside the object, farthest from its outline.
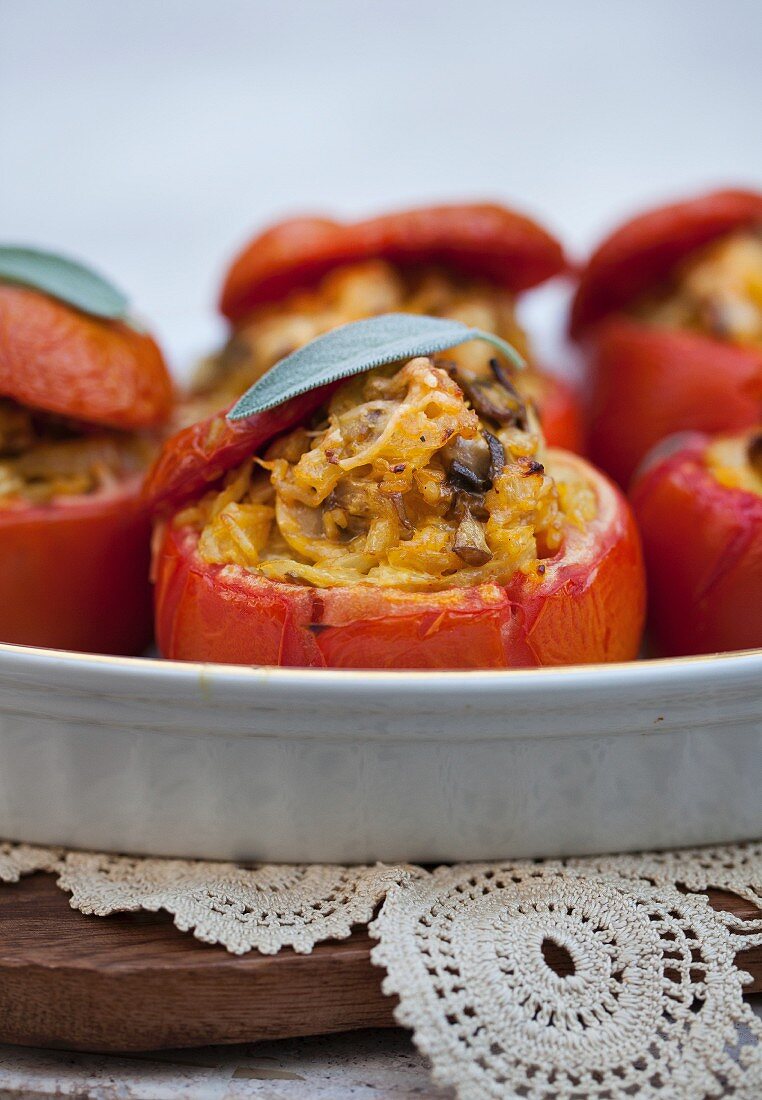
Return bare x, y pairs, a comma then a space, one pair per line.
358, 347
64, 279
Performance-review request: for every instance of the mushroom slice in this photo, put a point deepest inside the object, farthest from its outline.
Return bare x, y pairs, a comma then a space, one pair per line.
463, 499
407, 530
490, 399
496, 455
468, 462
503, 376
470, 544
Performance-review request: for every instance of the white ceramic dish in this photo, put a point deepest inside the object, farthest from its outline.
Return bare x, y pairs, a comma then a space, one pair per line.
165, 758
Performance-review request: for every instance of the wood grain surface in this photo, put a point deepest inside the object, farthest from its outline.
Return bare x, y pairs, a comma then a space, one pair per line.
133, 982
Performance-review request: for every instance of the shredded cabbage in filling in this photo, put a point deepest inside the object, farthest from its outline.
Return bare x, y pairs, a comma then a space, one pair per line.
43, 456
347, 294
423, 476
717, 291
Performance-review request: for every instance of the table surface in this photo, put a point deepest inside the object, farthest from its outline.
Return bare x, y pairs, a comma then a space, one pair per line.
358, 1065
361, 1065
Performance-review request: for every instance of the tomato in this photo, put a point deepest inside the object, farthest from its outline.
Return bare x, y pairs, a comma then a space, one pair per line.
74, 573
703, 550
646, 381
588, 607
482, 240
645, 250
55, 358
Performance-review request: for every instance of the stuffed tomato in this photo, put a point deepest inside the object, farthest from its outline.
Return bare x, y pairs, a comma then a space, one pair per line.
669, 309
80, 400
408, 518
699, 508
309, 275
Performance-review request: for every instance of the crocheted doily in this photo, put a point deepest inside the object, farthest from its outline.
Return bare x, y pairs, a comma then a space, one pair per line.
17, 860
263, 907
545, 981
603, 977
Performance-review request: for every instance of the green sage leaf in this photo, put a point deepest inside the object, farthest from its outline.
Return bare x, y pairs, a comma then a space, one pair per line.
64, 279
358, 347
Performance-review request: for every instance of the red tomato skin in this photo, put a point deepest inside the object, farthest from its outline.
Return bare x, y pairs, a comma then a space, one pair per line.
197, 456
55, 358
588, 608
644, 251
645, 382
703, 550
482, 240
561, 413
74, 574
648, 383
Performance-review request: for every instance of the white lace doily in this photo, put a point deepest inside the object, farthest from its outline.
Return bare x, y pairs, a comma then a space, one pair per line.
604, 977
263, 907
648, 1003
17, 860
736, 868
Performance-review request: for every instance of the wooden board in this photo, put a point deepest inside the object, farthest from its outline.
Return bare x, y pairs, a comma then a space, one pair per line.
133, 982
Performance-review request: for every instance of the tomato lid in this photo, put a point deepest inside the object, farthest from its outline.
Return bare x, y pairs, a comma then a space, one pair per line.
645, 250
201, 454
482, 240
56, 358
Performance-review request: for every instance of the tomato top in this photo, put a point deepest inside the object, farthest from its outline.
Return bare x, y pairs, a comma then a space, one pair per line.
647, 249
481, 240
199, 455
55, 358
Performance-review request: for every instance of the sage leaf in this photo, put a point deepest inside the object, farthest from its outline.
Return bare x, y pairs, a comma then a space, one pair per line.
64, 279
357, 347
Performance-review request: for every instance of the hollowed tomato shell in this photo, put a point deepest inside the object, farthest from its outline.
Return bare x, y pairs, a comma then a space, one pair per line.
646, 250
703, 550
74, 573
482, 240
588, 607
647, 383
55, 358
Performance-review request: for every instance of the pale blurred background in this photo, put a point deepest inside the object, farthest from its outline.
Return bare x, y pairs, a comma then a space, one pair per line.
151, 136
